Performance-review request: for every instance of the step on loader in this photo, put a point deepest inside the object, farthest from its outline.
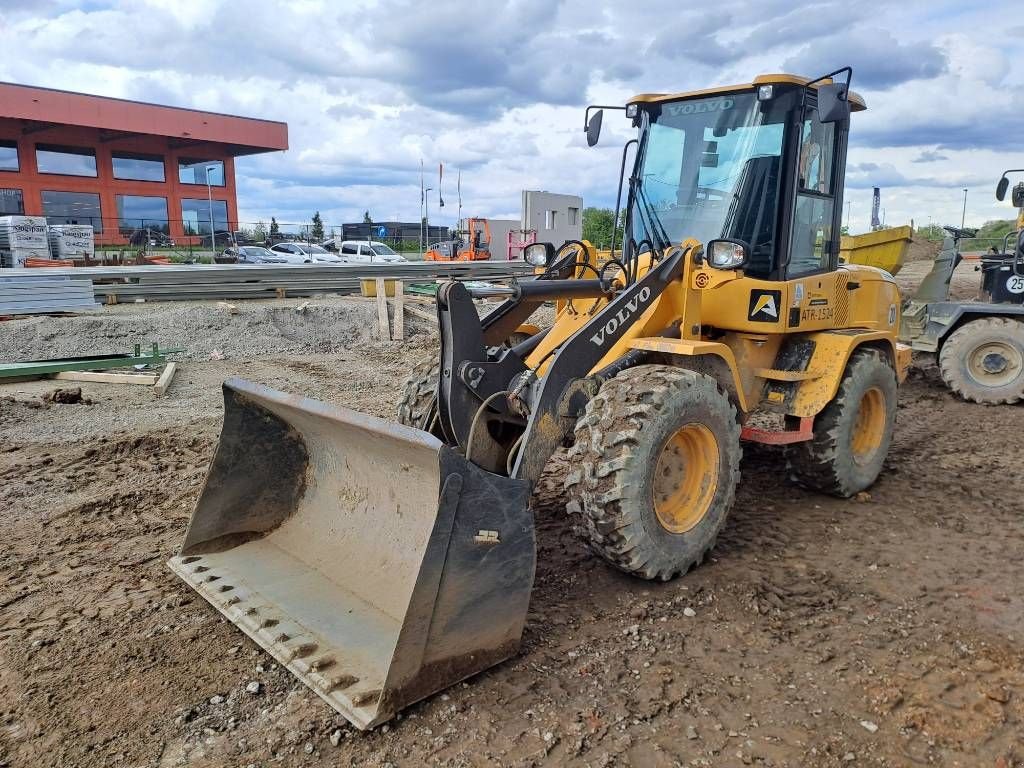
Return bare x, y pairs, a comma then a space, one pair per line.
382, 562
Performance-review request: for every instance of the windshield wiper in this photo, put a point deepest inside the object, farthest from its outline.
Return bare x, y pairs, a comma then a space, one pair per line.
653, 224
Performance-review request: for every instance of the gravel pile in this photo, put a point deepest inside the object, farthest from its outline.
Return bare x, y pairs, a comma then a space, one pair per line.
241, 331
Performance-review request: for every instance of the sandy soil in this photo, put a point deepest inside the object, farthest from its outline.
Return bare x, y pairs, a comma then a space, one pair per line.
880, 632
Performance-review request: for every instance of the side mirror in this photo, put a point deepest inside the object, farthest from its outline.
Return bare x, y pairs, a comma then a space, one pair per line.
727, 254
594, 127
1001, 188
833, 104
539, 254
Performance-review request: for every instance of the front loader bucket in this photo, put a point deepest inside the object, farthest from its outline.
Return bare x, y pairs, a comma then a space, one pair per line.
369, 558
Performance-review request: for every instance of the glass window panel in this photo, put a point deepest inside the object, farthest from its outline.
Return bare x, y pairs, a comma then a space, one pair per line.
812, 235
11, 202
8, 155
135, 212
191, 171
67, 161
73, 208
817, 149
135, 167
195, 216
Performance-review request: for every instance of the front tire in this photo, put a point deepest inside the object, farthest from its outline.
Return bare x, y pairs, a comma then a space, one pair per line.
852, 433
654, 470
983, 361
417, 408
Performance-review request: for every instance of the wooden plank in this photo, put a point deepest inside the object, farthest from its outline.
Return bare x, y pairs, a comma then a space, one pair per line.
382, 311
421, 313
399, 332
165, 378
107, 378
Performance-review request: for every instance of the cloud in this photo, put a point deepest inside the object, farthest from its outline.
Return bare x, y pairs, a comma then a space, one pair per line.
370, 88
929, 156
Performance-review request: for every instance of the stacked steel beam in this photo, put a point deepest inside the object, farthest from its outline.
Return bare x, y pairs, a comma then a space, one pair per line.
180, 282
37, 292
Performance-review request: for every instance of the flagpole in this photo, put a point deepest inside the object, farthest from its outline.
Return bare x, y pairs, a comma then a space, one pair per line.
423, 197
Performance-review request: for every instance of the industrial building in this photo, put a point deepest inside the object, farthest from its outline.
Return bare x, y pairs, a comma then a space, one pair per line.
124, 166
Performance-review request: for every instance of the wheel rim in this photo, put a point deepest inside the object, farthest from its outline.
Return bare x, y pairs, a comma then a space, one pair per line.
994, 363
869, 426
686, 478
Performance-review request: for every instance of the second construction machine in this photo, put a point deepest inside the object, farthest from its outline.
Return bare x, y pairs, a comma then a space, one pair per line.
381, 562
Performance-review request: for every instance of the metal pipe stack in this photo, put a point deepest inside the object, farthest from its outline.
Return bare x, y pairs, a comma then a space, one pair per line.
21, 238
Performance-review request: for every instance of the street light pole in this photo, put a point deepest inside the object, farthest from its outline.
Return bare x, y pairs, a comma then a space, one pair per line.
963, 216
209, 197
426, 217
848, 204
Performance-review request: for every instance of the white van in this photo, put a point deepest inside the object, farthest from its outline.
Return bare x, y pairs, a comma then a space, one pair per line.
368, 251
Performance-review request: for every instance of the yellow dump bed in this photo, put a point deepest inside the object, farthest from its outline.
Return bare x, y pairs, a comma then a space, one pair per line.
883, 248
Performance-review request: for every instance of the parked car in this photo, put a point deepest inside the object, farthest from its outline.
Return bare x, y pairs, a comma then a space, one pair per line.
309, 253
363, 251
254, 254
154, 238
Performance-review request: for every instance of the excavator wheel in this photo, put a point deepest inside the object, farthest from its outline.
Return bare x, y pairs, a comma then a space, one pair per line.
416, 408
654, 469
983, 361
852, 433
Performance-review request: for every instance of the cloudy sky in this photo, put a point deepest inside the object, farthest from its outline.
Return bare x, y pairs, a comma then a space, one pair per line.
371, 87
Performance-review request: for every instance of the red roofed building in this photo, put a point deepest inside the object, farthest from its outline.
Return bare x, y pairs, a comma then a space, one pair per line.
123, 166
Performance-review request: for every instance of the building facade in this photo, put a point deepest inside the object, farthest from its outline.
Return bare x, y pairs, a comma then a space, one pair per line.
124, 167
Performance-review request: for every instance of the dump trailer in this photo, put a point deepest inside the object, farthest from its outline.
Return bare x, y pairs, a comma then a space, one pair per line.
382, 562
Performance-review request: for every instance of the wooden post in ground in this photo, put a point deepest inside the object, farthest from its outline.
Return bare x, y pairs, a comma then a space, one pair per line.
399, 331
382, 309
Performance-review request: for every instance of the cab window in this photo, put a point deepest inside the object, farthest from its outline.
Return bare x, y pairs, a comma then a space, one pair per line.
349, 249
813, 241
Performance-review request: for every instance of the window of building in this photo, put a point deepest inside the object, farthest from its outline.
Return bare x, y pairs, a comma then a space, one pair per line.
574, 216
67, 161
73, 208
550, 219
195, 215
12, 203
135, 212
8, 155
192, 171
136, 167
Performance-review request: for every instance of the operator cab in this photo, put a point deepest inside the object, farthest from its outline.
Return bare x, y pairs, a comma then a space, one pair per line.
760, 166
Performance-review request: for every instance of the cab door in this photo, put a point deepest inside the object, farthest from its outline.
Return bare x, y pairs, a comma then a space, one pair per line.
815, 292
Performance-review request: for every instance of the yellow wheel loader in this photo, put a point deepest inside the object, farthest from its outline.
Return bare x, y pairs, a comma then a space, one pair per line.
382, 562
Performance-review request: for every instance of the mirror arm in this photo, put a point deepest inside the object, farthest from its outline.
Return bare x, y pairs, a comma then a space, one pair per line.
586, 113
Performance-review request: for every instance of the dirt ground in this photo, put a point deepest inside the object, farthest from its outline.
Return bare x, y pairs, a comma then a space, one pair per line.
885, 631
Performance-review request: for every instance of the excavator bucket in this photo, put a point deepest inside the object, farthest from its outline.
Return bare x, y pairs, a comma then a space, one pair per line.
369, 558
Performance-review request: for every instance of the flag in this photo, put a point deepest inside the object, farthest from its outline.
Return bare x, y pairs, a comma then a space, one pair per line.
440, 175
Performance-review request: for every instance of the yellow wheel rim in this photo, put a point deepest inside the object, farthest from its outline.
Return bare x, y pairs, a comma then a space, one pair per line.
686, 478
869, 425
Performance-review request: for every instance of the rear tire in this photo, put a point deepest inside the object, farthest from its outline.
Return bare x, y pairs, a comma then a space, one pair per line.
416, 408
983, 361
654, 470
852, 433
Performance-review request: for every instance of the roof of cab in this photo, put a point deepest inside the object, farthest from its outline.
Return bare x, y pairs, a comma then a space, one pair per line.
856, 101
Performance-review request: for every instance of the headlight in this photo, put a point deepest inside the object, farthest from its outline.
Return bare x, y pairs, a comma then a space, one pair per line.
536, 254
726, 254
631, 110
